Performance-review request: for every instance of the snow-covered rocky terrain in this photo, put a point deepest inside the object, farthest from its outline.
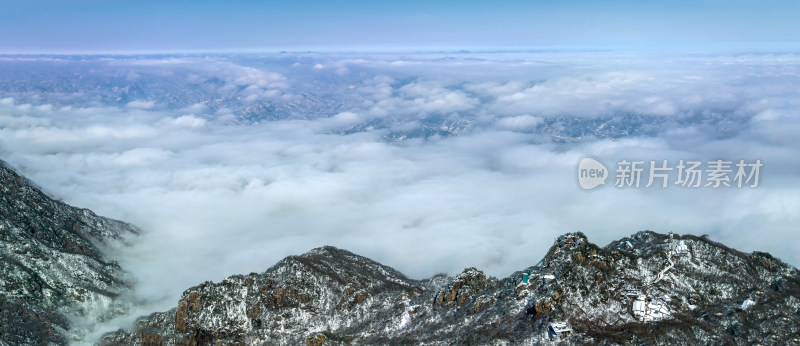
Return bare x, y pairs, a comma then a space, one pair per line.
55, 281
711, 294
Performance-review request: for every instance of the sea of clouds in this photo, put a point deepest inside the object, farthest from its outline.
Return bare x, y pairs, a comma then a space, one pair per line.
215, 195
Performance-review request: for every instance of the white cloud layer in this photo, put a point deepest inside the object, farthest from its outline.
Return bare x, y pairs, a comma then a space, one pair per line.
216, 198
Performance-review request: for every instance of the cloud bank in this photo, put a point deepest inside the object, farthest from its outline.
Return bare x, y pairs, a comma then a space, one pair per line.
490, 184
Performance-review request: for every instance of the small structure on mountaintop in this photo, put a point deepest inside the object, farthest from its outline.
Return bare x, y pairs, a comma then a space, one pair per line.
558, 330
631, 292
682, 249
625, 245
647, 309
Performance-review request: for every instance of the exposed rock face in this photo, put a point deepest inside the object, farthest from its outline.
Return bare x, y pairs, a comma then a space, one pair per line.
330, 296
464, 288
52, 264
25, 324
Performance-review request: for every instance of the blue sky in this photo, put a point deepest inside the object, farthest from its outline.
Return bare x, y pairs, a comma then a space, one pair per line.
114, 25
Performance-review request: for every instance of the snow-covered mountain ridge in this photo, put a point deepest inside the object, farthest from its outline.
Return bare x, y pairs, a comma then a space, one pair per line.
53, 271
710, 295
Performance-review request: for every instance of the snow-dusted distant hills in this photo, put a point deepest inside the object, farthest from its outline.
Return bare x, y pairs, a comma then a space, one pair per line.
407, 96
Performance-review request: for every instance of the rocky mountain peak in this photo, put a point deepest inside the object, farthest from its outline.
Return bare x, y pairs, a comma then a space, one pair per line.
341, 266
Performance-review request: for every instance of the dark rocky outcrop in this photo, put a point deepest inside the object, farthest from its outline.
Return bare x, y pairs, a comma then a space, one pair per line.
52, 264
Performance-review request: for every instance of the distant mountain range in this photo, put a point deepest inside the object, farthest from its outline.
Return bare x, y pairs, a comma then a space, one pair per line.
648, 288
219, 84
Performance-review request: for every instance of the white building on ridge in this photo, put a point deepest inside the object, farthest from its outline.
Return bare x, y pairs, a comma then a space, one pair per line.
558, 330
682, 249
648, 310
